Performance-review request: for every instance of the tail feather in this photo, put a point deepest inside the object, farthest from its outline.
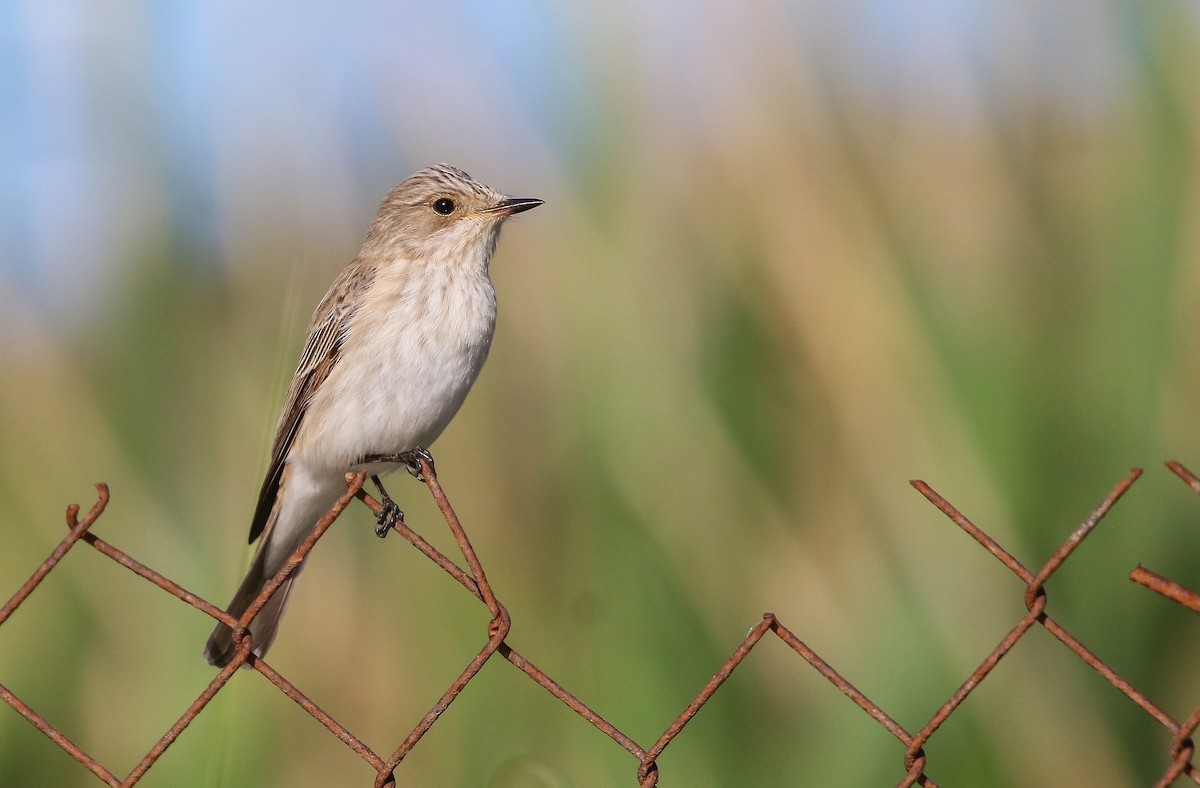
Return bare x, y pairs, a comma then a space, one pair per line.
302, 496
220, 649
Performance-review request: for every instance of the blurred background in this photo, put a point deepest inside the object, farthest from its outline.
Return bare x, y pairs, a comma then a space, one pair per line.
793, 254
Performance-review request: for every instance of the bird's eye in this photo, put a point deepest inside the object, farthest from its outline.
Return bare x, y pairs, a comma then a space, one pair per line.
444, 206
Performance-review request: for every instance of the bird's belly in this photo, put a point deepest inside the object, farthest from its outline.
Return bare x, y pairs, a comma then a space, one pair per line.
390, 394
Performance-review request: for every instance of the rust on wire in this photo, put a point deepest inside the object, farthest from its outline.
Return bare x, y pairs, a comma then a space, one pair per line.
1035, 594
78, 529
1189, 478
1168, 588
498, 629
474, 580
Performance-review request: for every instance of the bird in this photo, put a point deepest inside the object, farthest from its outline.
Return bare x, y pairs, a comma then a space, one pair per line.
391, 352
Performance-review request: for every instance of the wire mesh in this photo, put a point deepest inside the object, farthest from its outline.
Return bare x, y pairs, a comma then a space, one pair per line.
1180, 750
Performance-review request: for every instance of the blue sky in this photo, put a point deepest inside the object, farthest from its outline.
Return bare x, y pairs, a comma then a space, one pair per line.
121, 118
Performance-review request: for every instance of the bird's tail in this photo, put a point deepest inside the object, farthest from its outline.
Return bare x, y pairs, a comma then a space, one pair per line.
220, 649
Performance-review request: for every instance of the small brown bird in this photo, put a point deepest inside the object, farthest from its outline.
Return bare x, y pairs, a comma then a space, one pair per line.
392, 350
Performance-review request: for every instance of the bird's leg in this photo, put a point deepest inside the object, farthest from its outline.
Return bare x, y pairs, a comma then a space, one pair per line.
410, 459
390, 515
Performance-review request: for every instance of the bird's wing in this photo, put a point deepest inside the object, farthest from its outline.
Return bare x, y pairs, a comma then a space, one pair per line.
321, 351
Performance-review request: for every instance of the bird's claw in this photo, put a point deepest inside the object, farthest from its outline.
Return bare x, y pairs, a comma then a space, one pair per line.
412, 462
388, 517
389, 514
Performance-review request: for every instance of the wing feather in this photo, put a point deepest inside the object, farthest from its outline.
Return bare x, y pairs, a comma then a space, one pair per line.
322, 349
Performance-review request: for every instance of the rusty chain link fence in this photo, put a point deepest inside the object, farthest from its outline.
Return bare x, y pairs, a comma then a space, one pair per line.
1178, 746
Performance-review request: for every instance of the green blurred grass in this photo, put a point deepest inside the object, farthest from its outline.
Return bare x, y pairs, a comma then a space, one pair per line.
722, 354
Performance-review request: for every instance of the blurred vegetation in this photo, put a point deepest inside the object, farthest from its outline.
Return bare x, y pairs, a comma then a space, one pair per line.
759, 299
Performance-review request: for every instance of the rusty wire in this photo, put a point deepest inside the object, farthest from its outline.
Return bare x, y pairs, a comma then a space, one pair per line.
1181, 747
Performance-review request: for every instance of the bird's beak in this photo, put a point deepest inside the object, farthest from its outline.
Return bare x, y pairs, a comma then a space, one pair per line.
510, 205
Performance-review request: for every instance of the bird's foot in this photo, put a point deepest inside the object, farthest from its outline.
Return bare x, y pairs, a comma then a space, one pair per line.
389, 515
412, 461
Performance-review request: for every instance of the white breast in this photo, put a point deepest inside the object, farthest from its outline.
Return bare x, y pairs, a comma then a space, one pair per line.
410, 355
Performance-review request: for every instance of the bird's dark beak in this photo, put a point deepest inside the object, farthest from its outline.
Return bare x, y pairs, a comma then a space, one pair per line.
510, 205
